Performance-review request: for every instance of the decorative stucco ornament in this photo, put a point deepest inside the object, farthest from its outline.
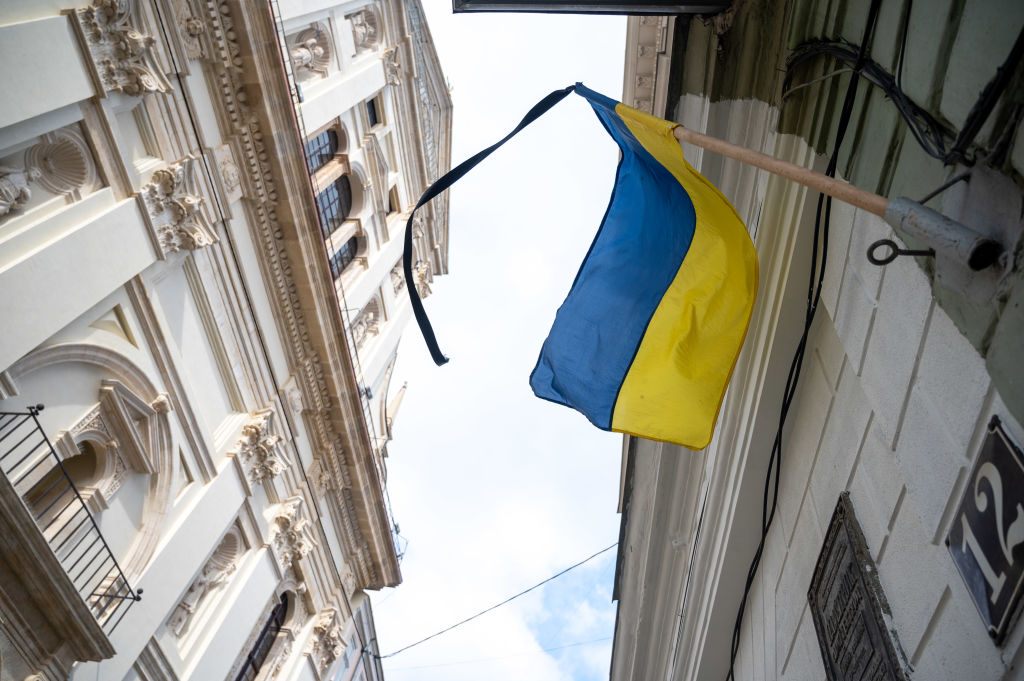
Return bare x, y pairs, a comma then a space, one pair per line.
122, 54
174, 209
259, 449
14, 191
293, 538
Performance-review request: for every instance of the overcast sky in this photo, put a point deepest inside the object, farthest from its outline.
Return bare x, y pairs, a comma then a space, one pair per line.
494, 489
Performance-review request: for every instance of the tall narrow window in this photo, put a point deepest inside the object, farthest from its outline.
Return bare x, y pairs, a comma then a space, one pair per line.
264, 642
321, 149
372, 113
334, 204
345, 255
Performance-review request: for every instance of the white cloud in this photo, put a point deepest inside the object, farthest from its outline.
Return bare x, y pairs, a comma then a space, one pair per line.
494, 489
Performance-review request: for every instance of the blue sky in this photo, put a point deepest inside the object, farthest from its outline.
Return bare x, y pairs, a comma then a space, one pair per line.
494, 489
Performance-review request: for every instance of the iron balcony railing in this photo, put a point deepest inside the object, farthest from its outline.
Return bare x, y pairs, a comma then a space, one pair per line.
29, 462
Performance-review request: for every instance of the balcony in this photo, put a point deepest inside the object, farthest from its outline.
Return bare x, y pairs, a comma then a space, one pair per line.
79, 559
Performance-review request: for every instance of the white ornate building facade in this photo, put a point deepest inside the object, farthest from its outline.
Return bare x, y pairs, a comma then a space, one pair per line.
201, 204
895, 550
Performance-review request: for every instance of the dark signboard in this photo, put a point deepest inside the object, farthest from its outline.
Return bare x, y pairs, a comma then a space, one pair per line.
847, 605
988, 530
658, 7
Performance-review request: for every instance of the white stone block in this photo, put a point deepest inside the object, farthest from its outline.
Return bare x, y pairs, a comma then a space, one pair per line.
791, 592
43, 69
913, 574
854, 314
800, 441
904, 305
957, 647
930, 460
840, 228
952, 376
825, 345
69, 275
840, 444
867, 229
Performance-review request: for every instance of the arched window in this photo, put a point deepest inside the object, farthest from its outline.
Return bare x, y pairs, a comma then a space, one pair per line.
321, 149
334, 204
345, 255
264, 642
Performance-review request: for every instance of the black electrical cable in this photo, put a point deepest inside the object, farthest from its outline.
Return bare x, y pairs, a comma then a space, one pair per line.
936, 139
498, 605
933, 137
819, 252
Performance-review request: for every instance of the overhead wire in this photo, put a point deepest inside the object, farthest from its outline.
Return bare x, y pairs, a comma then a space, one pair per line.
498, 605
819, 254
502, 657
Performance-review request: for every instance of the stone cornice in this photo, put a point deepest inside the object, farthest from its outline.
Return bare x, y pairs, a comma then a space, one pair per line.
252, 92
646, 71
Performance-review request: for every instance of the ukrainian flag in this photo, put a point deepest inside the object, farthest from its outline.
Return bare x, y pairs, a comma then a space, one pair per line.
646, 341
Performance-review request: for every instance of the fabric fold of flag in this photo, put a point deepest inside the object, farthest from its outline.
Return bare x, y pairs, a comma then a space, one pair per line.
649, 334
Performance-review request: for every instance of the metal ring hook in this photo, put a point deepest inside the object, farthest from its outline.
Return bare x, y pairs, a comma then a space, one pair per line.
894, 252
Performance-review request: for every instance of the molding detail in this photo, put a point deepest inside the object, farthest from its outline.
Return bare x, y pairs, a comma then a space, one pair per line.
218, 568
173, 205
258, 448
191, 27
423, 275
293, 538
397, 278
328, 642
366, 28
311, 51
14, 191
122, 54
392, 69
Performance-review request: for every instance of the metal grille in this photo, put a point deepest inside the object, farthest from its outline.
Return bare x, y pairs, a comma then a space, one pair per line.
30, 464
264, 642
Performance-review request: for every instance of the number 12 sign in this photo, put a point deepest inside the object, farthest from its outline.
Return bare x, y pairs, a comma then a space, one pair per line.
988, 530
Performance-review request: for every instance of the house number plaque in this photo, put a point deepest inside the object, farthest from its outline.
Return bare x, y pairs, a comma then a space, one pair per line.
988, 530
847, 606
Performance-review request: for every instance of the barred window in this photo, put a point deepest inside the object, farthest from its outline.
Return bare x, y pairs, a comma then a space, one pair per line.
321, 149
345, 255
334, 204
264, 642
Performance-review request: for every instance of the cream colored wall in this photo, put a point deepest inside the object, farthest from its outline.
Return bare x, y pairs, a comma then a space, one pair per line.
187, 329
892, 407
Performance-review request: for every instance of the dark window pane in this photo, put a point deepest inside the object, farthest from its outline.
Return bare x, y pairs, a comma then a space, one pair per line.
321, 149
264, 642
344, 257
334, 204
371, 111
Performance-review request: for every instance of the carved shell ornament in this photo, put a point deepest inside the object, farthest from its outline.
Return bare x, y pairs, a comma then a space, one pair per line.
65, 163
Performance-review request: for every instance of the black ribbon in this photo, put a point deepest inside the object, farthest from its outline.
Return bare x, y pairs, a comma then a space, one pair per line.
444, 182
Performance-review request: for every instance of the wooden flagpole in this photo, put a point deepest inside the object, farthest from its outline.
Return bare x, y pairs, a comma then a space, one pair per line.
873, 203
941, 234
